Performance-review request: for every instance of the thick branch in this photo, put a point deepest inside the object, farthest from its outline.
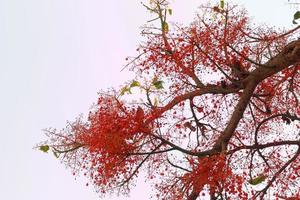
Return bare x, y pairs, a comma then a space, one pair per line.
223, 140
290, 55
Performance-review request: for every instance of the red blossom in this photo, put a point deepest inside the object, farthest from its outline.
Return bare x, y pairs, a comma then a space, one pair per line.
225, 121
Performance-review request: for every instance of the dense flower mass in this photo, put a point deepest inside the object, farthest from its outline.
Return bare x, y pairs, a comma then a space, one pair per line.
217, 114
113, 132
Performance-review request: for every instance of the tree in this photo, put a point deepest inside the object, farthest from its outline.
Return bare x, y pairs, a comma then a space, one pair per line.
219, 115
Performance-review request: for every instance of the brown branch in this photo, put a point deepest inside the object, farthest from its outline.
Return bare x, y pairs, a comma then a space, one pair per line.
139, 166
287, 57
222, 141
77, 146
263, 146
151, 153
176, 166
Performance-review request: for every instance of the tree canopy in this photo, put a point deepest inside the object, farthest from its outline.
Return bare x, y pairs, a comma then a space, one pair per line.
213, 112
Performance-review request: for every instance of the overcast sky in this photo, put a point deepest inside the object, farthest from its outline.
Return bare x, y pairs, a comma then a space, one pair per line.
55, 55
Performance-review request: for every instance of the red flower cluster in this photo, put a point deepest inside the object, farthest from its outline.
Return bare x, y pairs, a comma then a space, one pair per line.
229, 107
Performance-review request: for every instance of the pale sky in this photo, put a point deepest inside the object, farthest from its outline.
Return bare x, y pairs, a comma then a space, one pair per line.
55, 55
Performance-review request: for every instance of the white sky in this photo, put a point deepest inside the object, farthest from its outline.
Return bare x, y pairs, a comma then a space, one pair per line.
55, 55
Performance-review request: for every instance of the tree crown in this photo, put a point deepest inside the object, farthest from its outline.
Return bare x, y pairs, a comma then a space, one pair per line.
217, 115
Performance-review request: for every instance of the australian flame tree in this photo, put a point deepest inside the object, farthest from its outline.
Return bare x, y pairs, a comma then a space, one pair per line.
217, 113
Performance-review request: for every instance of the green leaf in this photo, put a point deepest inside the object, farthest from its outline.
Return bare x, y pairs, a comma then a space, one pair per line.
44, 148
56, 154
257, 180
155, 102
135, 84
165, 27
124, 90
158, 84
297, 15
170, 11
222, 4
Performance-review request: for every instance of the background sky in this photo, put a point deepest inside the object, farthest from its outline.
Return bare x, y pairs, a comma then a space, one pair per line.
55, 55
